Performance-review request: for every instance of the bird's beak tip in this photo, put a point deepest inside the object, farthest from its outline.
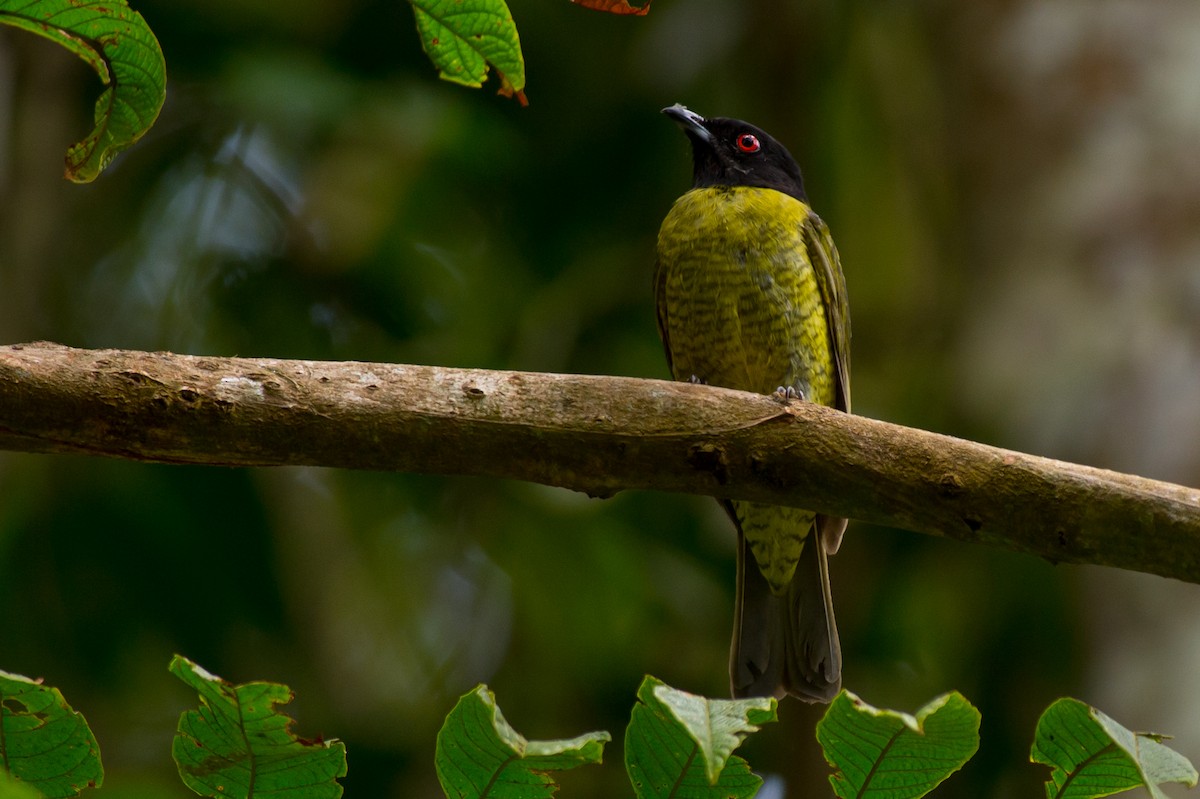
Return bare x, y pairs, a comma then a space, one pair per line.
689, 120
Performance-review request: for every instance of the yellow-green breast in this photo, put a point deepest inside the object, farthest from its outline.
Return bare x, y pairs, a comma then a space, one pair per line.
738, 300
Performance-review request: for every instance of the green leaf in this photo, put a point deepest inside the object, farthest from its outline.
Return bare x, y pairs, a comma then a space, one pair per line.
680, 744
43, 742
462, 37
116, 42
883, 753
1091, 755
480, 755
238, 745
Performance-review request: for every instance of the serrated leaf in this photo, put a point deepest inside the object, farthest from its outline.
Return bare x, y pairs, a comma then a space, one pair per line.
239, 745
117, 43
681, 744
480, 755
615, 7
1091, 755
884, 753
463, 37
45, 744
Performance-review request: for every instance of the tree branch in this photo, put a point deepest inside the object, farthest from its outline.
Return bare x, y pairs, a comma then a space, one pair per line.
599, 435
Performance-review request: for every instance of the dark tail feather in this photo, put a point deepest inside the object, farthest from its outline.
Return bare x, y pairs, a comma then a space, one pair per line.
788, 643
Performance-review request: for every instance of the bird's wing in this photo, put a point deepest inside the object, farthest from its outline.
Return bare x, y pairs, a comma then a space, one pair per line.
828, 266
660, 311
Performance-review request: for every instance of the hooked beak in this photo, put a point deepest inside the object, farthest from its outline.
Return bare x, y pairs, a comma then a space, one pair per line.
689, 121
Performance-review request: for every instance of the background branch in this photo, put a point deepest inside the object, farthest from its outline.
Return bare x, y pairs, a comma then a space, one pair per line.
599, 435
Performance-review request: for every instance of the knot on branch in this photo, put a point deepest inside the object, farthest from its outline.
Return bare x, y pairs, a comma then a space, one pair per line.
950, 485
711, 459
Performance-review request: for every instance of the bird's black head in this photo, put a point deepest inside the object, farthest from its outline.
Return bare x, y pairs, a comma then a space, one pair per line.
730, 152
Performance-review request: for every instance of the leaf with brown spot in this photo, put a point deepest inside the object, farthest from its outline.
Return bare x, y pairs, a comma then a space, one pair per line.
44, 743
117, 43
464, 38
238, 744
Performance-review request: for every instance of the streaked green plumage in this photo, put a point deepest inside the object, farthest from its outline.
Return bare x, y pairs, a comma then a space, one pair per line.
750, 295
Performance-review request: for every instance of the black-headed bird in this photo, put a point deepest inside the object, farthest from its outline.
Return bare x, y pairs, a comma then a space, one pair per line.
750, 295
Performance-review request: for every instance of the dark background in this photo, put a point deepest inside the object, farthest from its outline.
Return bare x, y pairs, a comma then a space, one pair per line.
1015, 191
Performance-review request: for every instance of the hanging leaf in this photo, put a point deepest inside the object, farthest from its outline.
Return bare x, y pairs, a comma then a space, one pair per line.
890, 754
45, 744
463, 37
1091, 755
479, 755
615, 7
679, 744
238, 745
115, 41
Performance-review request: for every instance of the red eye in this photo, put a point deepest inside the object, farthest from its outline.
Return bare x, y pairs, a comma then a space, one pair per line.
748, 143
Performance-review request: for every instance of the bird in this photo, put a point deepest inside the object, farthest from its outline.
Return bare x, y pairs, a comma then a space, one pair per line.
750, 295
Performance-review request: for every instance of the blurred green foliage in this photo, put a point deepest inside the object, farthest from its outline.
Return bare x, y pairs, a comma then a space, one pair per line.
312, 190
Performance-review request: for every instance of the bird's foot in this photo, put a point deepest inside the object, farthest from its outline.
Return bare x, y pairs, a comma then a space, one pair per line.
696, 381
786, 394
